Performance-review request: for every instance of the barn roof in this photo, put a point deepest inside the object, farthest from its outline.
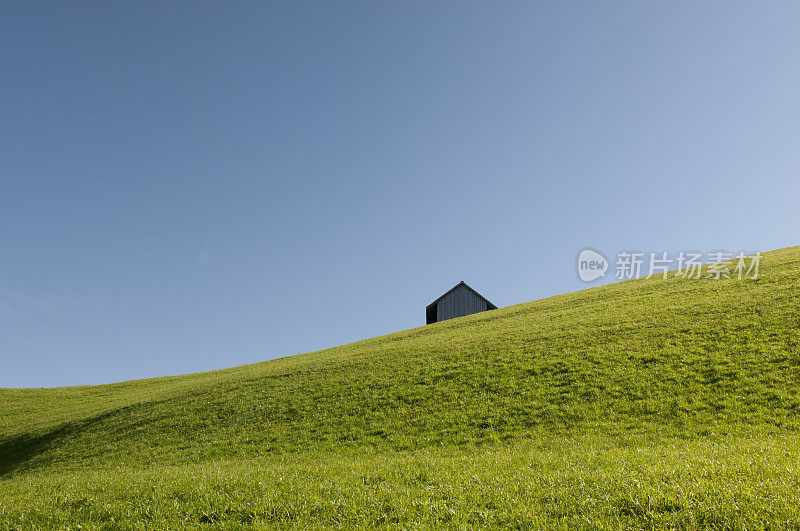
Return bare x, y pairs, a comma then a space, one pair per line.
462, 283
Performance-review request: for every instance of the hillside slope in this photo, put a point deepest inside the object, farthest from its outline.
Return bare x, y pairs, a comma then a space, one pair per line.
668, 356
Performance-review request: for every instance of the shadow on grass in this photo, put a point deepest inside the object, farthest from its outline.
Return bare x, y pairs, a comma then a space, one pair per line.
17, 452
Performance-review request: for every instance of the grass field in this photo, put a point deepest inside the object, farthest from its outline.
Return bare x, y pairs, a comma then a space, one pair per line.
646, 403
596, 482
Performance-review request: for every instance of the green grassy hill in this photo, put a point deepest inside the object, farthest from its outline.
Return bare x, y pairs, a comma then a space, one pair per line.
644, 360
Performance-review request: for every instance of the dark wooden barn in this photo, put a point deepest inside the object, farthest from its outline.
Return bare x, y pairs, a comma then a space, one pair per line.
459, 301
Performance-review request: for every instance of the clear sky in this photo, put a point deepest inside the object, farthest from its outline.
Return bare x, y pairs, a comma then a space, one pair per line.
187, 186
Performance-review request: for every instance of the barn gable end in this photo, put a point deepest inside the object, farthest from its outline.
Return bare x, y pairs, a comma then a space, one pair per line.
459, 301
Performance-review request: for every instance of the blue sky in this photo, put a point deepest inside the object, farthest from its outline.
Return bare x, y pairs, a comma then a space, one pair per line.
189, 186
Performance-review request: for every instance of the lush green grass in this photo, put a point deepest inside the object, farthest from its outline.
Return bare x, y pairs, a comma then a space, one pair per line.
632, 378
582, 482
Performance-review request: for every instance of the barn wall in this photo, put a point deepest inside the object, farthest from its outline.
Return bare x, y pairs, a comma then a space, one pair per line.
459, 302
